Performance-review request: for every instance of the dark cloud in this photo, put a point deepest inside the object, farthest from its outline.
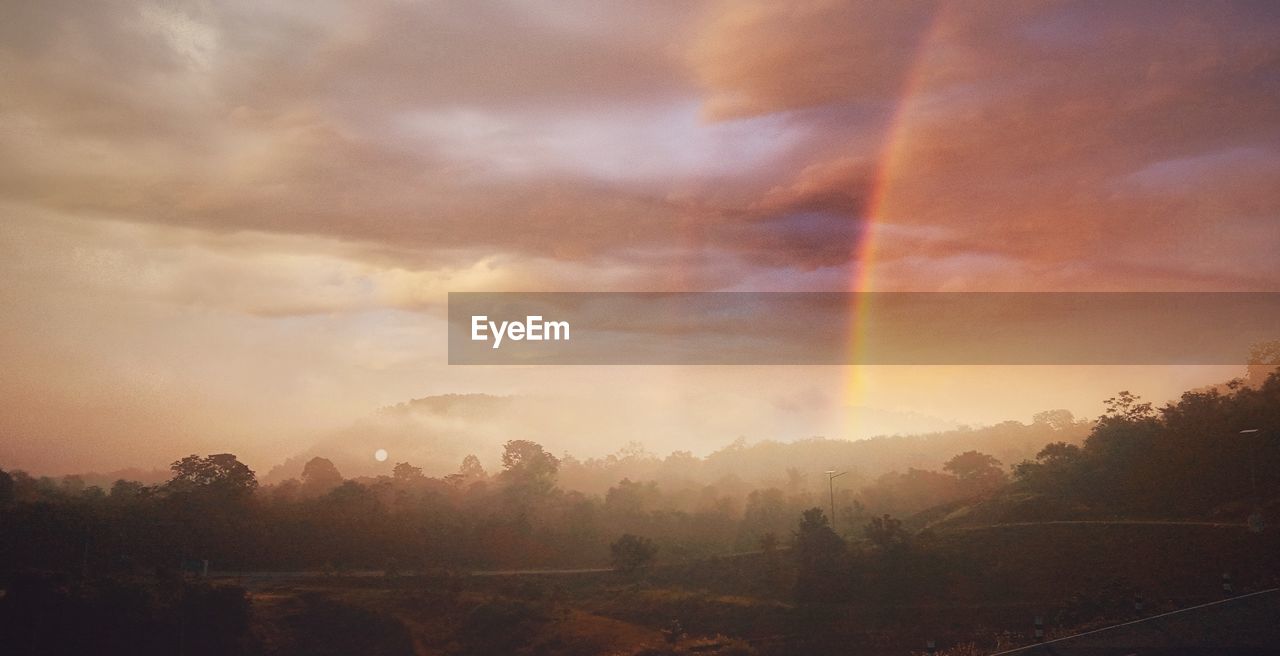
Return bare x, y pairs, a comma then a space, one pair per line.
1019, 129
1042, 134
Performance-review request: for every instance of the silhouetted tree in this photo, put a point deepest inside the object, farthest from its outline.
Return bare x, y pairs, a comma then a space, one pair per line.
1056, 469
221, 474
978, 473
405, 473
6, 487
1121, 449
819, 555
1127, 406
208, 502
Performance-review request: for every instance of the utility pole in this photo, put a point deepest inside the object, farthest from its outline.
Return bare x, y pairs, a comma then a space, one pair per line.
832, 475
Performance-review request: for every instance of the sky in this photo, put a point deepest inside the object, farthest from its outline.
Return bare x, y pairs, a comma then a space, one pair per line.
232, 226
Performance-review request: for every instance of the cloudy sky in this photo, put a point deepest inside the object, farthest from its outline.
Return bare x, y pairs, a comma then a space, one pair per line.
232, 225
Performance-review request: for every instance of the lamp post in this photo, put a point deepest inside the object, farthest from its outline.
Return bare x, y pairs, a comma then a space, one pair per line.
832, 475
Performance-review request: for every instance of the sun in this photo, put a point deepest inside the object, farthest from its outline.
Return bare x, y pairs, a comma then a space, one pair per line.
380, 455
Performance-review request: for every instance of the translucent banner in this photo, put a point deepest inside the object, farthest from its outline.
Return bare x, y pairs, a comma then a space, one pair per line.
621, 328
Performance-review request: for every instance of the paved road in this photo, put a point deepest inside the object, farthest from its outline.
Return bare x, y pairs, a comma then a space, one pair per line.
378, 573
521, 572
1100, 522
1239, 625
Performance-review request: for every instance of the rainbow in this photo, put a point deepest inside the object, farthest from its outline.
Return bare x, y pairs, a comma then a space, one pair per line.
879, 206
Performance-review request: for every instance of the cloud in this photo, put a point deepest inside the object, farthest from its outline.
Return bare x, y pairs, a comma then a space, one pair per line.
763, 57
436, 130
1016, 128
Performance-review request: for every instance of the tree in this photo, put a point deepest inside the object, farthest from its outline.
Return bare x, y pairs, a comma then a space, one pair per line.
221, 474
912, 491
1056, 470
1264, 359
1127, 406
887, 533
1059, 454
286, 491
471, 468
1054, 419
1122, 447
765, 513
406, 474
819, 555
979, 473
471, 471
630, 498
527, 467
124, 490
682, 463
6, 487
631, 553
319, 476
208, 499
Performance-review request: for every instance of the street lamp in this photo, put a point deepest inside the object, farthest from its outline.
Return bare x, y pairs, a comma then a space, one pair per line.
832, 475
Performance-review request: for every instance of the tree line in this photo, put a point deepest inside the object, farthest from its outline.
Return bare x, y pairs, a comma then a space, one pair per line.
1186, 458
